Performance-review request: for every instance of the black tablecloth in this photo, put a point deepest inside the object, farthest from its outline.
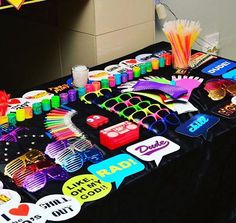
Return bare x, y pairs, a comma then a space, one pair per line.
196, 183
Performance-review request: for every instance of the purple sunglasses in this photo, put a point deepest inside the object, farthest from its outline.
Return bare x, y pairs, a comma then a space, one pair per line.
12, 136
39, 179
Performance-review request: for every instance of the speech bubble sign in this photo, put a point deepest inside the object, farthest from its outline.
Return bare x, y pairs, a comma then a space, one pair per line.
116, 168
198, 125
231, 75
59, 207
227, 109
219, 67
86, 188
1, 184
8, 198
233, 100
37, 96
153, 149
23, 212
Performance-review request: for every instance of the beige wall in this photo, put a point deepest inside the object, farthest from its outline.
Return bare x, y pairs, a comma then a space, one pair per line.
214, 16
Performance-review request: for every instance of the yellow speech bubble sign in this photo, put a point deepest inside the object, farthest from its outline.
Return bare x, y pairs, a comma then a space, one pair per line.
16, 3
86, 188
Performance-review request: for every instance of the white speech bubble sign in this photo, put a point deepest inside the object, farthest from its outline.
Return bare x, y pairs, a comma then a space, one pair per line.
8, 198
59, 207
233, 100
1, 185
153, 149
37, 96
23, 212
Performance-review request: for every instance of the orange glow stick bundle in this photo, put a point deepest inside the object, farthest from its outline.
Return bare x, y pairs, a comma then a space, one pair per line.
181, 34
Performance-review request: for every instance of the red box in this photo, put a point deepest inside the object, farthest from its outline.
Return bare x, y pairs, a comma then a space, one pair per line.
118, 135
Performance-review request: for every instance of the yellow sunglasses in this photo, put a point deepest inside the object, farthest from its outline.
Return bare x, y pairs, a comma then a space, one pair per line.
138, 115
30, 157
91, 96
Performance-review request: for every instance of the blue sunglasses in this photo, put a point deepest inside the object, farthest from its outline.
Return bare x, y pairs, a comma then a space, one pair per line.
74, 162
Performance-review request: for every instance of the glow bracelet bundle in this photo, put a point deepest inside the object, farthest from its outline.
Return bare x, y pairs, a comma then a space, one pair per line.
181, 34
58, 123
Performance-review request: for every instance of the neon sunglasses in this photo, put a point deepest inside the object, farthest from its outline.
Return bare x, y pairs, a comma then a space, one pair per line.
91, 96
130, 110
169, 117
39, 179
153, 123
30, 157
54, 148
107, 104
75, 161
118, 107
12, 136
78, 146
20, 175
157, 122
138, 115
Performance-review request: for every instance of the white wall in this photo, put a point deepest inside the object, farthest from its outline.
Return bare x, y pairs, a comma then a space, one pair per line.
214, 16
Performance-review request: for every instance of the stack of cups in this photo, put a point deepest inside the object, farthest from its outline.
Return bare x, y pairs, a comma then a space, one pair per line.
80, 75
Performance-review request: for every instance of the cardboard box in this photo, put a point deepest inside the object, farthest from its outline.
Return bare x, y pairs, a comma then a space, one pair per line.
80, 48
122, 42
97, 17
77, 48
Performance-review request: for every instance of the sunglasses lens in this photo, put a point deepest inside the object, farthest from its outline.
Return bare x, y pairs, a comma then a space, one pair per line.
72, 163
99, 100
57, 173
128, 111
124, 97
172, 119
35, 181
81, 145
143, 104
90, 96
21, 174
163, 113
137, 116
105, 91
119, 107
153, 108
34, 155
13, 166
158, 127
110, 103
44, 164
54, 148
148, 121
134, 101
63, 154
8, 138
94, 155
21, 131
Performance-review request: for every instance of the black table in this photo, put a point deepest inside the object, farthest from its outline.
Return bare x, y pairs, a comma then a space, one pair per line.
193, 184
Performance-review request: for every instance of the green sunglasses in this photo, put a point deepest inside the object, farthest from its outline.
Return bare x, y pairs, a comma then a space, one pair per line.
128, 111
112, 101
